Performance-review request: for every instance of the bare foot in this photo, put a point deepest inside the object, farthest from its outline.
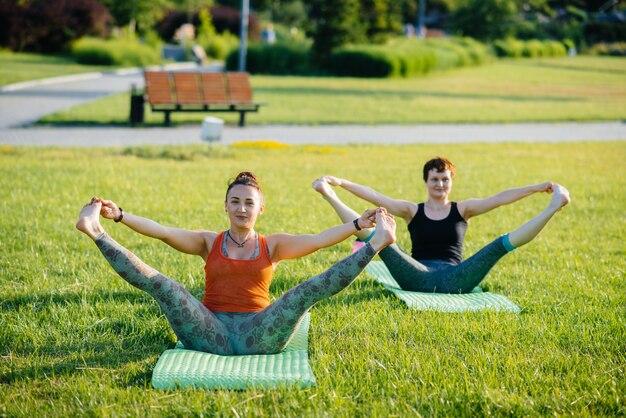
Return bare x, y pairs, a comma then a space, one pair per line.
321, 186
385, 230
89, 219
560, 197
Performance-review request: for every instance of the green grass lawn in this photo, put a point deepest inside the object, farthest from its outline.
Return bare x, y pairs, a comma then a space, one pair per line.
554, 89
17, 67
76, 340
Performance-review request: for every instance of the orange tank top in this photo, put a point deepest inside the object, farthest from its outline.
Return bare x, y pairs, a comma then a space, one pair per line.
237, 285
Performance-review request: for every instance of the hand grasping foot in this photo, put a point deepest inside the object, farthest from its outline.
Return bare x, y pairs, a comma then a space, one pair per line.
385, 230
560, 197
89, 219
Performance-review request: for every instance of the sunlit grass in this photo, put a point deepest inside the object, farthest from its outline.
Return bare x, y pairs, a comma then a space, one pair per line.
17, 67
554, 89
76, 340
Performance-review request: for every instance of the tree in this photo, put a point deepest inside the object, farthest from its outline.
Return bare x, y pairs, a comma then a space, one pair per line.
49, 26
485, 19
381, 18
143, 14
338, 23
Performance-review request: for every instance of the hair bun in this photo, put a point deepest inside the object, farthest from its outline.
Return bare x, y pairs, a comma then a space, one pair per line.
245, 178
246, 175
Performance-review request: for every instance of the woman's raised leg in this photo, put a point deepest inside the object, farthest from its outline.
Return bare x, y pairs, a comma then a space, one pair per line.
346, 213
192, 322
527, 232
270, 330
468, 274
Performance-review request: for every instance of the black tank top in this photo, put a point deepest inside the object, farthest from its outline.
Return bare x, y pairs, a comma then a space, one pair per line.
438, 240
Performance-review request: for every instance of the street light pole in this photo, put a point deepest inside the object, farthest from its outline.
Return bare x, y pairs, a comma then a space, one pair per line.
421, 27
243, 35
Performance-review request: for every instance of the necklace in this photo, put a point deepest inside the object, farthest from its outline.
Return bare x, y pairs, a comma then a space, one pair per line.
240, 245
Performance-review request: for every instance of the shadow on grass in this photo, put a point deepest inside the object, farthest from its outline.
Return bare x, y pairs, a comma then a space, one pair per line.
570, 68
39, 300
321, 91
88, 95
90, 355
89, 364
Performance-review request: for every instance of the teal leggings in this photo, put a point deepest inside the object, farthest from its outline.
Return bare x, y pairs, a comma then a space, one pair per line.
440, 276
232, 333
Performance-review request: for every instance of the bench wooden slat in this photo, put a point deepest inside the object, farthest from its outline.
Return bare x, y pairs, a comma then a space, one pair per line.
196, 91
214, 88
159, 88
187, 91
239, 87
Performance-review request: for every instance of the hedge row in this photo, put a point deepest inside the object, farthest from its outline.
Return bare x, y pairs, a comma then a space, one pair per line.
401, 58
616, 49
407, 58
534, 48
122, 52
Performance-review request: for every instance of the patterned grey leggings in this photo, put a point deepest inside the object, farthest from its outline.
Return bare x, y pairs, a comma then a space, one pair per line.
232, 333
440, 276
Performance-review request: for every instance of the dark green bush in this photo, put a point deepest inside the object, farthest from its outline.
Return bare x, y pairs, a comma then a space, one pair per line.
367, 61
50, 26
279, 58
122, 52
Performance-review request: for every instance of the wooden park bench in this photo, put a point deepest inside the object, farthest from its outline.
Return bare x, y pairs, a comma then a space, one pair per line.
200, 92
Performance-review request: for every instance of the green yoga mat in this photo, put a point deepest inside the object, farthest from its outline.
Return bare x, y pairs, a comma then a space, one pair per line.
180, 368
477, 300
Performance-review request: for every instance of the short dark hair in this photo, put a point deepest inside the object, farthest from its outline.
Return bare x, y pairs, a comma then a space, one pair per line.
440, 164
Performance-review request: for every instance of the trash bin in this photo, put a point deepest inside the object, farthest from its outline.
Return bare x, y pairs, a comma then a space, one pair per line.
212, 129
136, 106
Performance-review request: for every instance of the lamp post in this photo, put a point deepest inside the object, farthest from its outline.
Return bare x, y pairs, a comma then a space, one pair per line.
421, 27
243, 35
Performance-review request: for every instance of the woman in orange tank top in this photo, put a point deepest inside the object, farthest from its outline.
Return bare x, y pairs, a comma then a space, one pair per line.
236, 316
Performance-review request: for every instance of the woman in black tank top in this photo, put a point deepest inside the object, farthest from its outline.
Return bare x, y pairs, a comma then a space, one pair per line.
437, 228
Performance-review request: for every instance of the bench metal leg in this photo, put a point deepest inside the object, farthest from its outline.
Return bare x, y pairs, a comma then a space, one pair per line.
167, 120
242, 119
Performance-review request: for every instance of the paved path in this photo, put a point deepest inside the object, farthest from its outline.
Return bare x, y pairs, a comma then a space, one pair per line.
389, 134
22, 105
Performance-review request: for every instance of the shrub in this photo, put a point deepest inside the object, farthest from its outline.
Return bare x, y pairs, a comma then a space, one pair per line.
122, 52
369, 61
279, 58
50, 26
407, 57
533, 48
219, 46
616, 49
399, 58
555, 48
215, 45
509, 47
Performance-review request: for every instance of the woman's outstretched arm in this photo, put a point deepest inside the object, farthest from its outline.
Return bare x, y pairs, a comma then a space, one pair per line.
286, 246
401, 208
474, 207
183, 240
